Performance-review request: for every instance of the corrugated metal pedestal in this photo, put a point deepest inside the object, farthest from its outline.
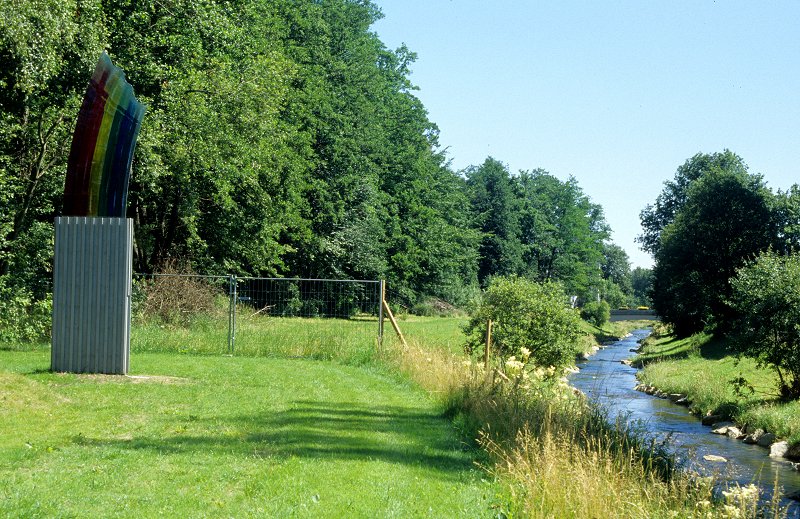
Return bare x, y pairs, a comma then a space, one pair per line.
92, 295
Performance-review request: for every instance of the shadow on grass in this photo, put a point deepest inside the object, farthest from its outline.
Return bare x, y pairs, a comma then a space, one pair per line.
317, 430
713, 348
24, 346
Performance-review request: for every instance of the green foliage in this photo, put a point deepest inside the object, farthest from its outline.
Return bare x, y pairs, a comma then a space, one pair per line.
44, 47
530, 321
616, 269
537, 226
563, 232
654, 218
495, 210
596, 312
787, 216
23, 318
281, 138
611, 293
642, 284
725, 219
766, 295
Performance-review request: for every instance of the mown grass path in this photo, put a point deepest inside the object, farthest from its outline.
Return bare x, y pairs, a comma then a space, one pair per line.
228, 437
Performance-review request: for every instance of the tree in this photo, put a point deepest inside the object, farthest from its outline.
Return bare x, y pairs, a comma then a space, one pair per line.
654, 218
215, 176
726, 219
562, 232
642, 284
281, 138
787, 213
766, 295
495, 210
44, 46
596, 312
616, 269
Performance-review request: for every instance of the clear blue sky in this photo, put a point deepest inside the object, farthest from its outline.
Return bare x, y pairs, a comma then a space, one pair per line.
616, 94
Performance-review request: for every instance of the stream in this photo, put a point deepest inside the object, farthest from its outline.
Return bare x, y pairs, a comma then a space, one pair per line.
605, 380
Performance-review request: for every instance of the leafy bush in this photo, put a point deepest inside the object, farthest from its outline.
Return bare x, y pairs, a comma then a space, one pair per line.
766, 294
22, 317
596, 312
531, 321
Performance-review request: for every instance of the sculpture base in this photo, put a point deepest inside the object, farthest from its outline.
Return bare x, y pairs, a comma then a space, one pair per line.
92, 295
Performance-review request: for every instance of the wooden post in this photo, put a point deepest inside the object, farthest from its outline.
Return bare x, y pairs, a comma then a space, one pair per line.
488, 345
394, 323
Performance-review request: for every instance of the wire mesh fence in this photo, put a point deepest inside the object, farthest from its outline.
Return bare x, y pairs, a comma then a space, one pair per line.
316, 318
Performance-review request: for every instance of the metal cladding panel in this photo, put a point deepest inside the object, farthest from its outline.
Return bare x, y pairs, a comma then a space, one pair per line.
92, 295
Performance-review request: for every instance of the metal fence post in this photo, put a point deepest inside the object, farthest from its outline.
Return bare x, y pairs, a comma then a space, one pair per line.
382, 295
232, 284
235, 300
230, 313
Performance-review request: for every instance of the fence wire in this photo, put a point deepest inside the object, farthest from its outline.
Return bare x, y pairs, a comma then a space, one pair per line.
317, 318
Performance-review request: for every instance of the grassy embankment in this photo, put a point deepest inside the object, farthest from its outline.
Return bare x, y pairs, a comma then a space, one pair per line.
282, 435
703, 367
558, 457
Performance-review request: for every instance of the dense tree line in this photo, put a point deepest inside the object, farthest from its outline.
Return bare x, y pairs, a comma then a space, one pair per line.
281, 138
539, 227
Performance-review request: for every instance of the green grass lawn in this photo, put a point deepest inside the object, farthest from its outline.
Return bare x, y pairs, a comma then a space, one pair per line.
216, 436
703, 367
443, 333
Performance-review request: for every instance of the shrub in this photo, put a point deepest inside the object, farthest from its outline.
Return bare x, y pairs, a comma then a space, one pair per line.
766, 294
596, 312
175, 299
434, 307
22, 317
531, 321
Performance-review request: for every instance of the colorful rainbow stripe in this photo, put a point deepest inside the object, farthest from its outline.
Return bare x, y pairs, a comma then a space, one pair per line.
99, 165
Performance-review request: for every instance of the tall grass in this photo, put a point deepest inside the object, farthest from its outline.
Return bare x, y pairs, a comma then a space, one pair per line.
557, 455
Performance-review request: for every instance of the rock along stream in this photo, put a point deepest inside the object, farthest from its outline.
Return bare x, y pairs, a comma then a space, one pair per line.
605, 380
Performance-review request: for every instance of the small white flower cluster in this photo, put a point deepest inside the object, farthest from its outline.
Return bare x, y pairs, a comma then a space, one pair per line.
515, 368
538, 381
738, 500
475, 369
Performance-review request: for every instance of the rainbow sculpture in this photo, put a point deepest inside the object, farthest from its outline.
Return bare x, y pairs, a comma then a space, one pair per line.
99, 165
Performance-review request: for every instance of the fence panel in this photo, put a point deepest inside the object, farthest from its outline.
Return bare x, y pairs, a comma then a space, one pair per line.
181, 312
91, 291
317, 318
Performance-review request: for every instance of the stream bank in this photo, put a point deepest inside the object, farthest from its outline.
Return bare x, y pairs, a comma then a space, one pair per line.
605, 379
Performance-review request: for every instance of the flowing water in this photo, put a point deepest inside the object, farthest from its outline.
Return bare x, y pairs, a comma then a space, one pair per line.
604, 379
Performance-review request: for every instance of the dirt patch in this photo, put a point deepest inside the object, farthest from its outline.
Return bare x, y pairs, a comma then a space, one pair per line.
132, 379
